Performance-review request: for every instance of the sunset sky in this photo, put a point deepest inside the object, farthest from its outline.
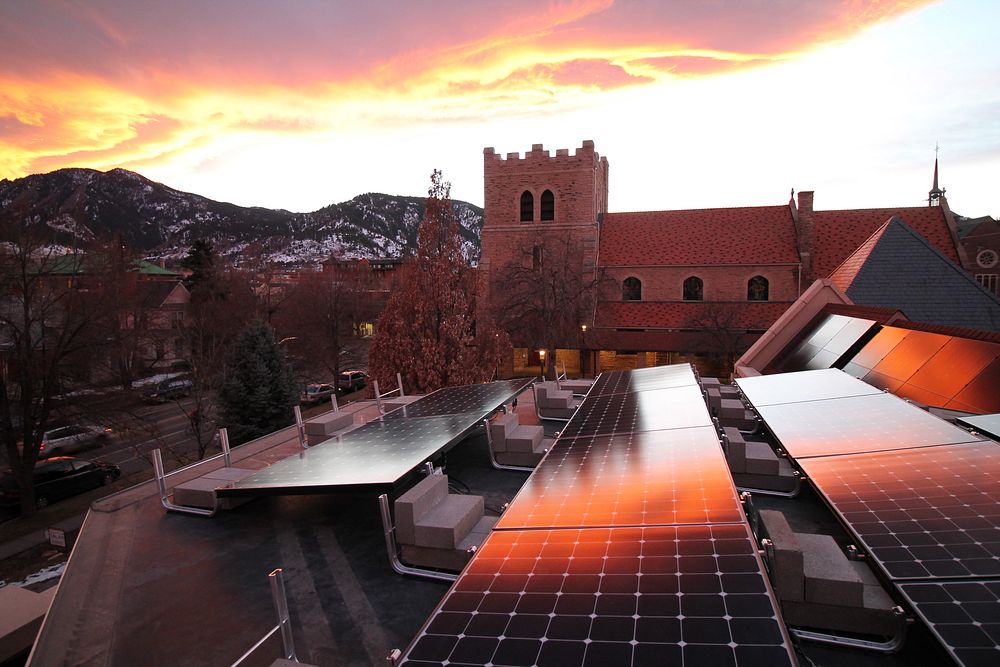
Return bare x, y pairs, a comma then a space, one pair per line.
695, 103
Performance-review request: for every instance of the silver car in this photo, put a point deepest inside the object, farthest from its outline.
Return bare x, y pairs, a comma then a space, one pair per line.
72, 439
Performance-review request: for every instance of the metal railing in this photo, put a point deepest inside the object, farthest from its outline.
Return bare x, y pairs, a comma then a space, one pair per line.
379, 395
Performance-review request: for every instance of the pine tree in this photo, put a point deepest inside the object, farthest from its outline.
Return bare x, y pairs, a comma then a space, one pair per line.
428, 331
259, 388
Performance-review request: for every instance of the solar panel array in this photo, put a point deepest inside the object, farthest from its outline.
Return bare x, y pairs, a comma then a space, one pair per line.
378, 454
931, 368
920, 513
626, 546
828, 342
920, 495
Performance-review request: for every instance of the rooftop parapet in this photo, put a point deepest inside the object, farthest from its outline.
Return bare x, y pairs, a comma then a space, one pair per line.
539, 153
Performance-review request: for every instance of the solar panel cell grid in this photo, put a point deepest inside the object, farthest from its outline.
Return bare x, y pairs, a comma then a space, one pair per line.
631, 479
632, 596
856, 424
965, 616
921, 513
655, 409
644, 379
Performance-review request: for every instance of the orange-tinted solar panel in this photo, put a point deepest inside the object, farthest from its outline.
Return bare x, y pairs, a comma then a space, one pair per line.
875, 350
646, 478
688, 595
921, 513
910, 354
982, 394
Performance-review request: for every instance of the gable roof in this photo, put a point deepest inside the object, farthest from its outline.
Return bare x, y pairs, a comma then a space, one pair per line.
898, 268
750, 235
153, 293
837, 234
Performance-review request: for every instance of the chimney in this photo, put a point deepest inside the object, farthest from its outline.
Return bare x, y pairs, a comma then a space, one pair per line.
804, 233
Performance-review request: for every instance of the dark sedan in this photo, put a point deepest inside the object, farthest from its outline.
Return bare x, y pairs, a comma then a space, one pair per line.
58, 478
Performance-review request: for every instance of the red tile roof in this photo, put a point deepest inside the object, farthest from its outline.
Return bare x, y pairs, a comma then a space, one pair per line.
751, 235
688, 314
837, 234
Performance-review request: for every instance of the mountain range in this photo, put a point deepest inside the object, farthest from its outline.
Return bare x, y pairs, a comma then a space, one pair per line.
75, 206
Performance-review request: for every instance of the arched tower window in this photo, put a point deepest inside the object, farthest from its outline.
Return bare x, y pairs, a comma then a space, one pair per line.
757, 289
631, 289
527, 207
694, 289
548, 205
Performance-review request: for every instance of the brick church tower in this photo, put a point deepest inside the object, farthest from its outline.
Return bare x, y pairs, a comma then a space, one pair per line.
537, 198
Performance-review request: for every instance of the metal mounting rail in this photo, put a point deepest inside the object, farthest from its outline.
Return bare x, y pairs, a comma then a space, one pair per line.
780, 494
890, 645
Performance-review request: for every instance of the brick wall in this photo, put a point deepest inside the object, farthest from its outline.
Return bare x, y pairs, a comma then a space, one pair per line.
721, 283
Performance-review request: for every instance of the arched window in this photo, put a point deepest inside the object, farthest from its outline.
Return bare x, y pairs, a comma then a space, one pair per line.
631, 289
757, 289
527, 207
694, 289
548, 205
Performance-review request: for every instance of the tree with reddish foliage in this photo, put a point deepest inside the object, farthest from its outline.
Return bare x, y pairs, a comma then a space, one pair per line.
428, 332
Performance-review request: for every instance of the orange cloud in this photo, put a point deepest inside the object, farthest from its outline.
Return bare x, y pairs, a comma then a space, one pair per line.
119, 83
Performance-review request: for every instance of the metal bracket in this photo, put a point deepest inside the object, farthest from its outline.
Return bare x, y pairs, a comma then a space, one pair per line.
891, 645
780, 494
161, 482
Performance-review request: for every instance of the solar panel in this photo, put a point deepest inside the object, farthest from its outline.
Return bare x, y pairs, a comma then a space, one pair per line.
481, 399
965, 617
630, 479
693, 595
982, 394
644, 379
655, 409
856, 424
921, 513
802, 386
376, 455
829, 341
988, 424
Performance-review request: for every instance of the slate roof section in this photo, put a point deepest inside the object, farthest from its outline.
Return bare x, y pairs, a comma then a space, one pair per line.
153, 293
688, 314
899, 268
730, 236
837, 234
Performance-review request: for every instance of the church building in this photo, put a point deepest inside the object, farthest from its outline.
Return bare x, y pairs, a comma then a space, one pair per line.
623, 290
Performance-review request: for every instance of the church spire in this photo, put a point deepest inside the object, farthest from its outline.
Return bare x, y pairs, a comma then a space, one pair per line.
934, 196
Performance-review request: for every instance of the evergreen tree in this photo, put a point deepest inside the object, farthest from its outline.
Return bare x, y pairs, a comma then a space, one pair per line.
259, 388
428, 331
200, 260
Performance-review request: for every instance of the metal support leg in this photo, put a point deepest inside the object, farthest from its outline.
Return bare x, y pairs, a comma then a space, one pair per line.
378, 398
399, 383
300, 427
281, 608
161, 482
333, 402
227, 456
493, 458
390, 547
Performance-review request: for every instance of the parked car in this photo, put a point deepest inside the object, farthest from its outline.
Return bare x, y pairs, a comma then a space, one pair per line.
315, 393
72, 439
168, 390
60, 477
352, 380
